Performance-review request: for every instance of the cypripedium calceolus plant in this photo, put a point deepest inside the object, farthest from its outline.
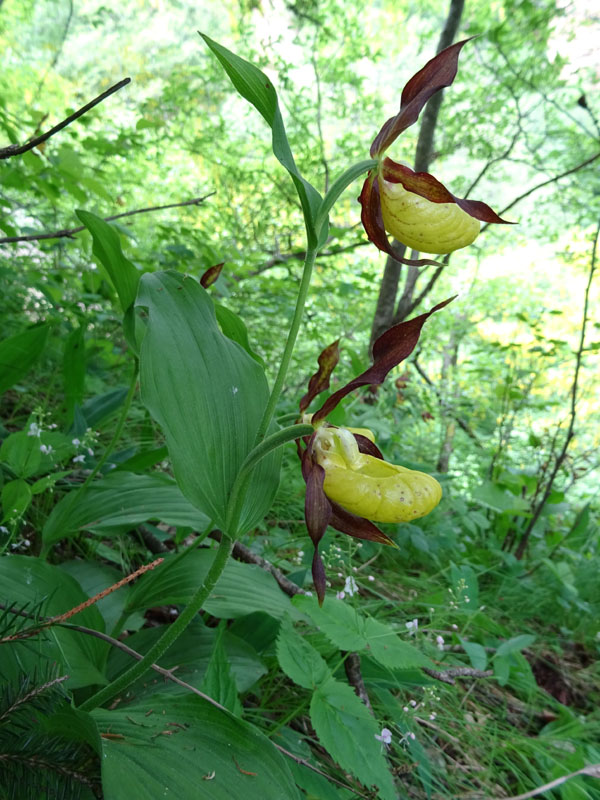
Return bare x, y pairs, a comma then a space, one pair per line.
349, 485
414, 207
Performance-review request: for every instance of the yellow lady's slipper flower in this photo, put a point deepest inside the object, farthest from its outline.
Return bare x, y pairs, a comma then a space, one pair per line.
348, 483
369, 487
425, 226
414, 207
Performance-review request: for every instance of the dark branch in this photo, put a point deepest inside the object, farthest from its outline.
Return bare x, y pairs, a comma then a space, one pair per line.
573, 411
545, 183
448, 675
69, 232
17, 150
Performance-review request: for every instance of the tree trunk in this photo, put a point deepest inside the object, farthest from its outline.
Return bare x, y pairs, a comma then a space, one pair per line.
385, 316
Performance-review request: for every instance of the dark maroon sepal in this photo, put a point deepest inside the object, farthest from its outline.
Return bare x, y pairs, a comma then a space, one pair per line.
320, 380
425, 185
372, 220
392, 347
317, 513
358, 527
367, 447
211, 275
435, 75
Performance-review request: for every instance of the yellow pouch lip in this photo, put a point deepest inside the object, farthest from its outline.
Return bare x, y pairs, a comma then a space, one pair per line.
369, 487
438, 228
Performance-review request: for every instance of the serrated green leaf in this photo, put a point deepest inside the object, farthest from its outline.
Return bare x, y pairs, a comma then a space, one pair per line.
299, 659
207, 394
347, 730
348, 629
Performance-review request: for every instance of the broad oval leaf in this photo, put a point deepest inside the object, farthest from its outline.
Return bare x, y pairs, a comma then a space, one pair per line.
207, 394
187, 749
121, 500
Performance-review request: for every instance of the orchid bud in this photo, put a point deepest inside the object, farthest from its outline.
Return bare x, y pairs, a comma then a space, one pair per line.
368, 486
423, 225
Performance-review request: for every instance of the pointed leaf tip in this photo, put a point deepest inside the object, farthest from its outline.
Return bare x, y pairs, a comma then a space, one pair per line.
437, 74
327, 362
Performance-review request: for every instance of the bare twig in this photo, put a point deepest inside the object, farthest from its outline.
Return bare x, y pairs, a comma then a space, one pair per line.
243, 553
464, 425
17, 150
355, 678
533, 189
448, 675
69, 232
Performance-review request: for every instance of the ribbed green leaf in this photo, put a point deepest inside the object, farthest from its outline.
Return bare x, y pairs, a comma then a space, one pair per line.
190, 656
299, 659
107, 249
242, 588
185, 748
348, 629
121, 499
24, 579
256, 87
19, 353
207, 394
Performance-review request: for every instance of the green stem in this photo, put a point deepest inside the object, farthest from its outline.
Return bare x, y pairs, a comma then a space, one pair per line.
118, 430
309, 262
172, 633
272, 442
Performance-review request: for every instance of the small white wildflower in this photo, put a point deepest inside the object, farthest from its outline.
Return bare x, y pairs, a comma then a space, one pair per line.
340, 574
46, 449
482, 608
467, 599
350, 586
300, 553
454, 627
53, 427
432, 716
90, 451
413, 703
75, 442
341, 595
385, 736
412, 736
4, 530
405, 709
112, 466
412, 625
26, 543
431, 610
439, 640
309, 594
34, 429
78, 459
371, 578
